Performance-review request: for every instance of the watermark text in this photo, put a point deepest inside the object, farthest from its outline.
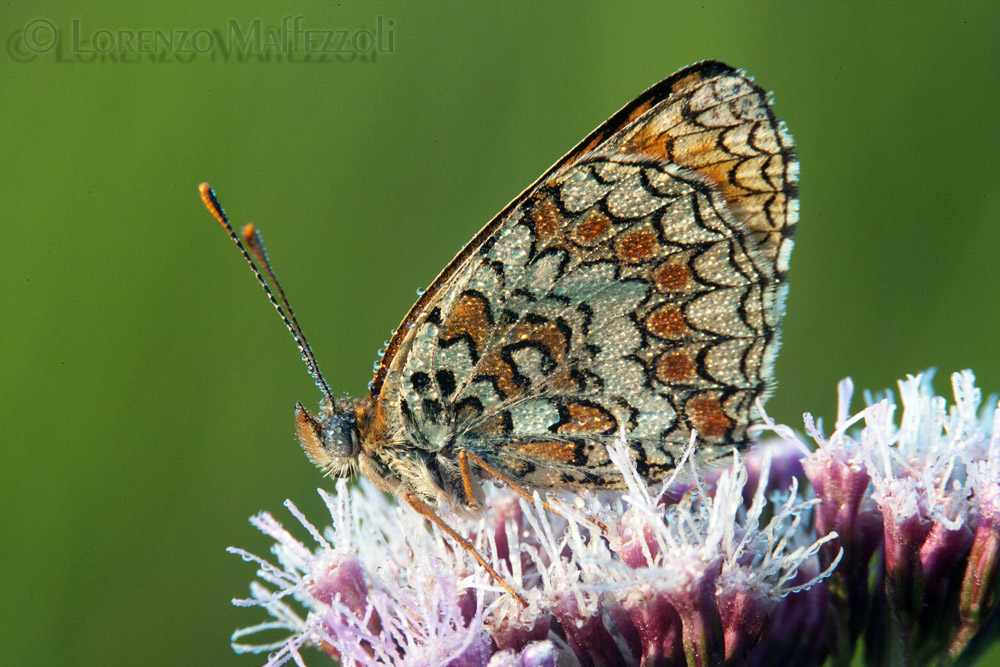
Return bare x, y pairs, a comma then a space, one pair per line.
290, 40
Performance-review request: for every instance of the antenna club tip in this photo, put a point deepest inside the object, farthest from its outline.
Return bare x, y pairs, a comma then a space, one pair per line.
211, 203
248, 232
207, 195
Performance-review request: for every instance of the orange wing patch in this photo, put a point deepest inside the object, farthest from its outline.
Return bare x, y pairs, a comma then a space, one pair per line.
686, 82
671, 276
559, 452
586, 418
707, 417
547, 334
546, 219
666, 322
496, 364
592, 230
674, 367
501, 373
637, 246
470, 316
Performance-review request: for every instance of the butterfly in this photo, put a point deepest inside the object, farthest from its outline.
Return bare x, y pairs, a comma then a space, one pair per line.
636, 286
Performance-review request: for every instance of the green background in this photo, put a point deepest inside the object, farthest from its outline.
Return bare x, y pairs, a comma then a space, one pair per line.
147, 385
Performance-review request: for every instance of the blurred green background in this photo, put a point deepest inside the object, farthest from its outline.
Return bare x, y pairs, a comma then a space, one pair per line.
148, 387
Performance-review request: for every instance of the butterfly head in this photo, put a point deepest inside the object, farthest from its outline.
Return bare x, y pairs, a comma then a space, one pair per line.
330, 439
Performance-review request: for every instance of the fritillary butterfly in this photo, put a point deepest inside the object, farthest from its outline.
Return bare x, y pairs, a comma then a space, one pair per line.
637, 284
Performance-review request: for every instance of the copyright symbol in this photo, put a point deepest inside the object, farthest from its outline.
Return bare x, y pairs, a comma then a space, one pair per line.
38, 36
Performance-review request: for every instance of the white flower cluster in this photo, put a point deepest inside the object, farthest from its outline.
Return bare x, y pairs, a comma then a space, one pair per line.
381, 587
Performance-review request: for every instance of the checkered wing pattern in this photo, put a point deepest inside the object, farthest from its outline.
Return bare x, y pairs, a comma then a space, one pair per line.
637, 285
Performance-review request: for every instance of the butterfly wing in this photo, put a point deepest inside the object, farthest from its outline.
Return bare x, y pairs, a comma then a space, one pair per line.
637, 284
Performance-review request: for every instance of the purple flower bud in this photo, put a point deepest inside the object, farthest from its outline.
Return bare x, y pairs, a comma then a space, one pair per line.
345, 581
535, 654
980, 590
744, 613
943, 557
540, 654
799, 628
586, 634
981, 584
905, 534
516, 636
638, 547
701, 625
659, 628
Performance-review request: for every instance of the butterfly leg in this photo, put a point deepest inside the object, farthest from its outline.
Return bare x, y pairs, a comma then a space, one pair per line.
467, 481
463, 459
428, 514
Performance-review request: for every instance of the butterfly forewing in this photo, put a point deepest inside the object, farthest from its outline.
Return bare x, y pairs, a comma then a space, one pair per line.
636, 285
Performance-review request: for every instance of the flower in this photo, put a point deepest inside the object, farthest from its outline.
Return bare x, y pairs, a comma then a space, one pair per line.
894, 543
697, 576
912, 505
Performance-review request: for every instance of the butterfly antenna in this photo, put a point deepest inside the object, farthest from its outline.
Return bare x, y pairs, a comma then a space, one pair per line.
252, 247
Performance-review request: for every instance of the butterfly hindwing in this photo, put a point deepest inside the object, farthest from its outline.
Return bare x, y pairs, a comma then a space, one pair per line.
637, 285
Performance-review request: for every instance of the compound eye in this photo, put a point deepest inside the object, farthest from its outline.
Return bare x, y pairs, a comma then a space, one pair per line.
340, 437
